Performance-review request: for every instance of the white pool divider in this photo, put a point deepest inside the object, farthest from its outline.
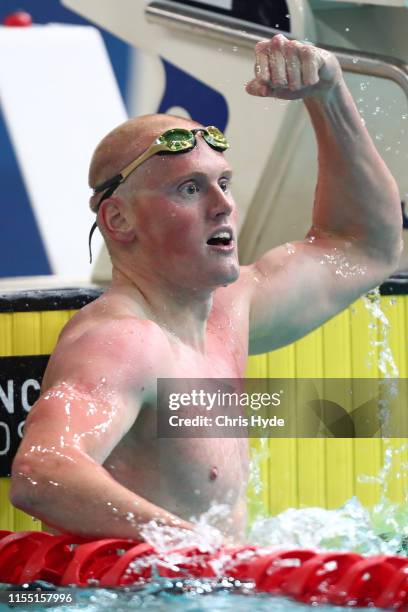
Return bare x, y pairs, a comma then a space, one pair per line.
59, 97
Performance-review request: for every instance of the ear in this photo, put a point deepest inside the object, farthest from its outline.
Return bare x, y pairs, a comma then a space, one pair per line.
117, 219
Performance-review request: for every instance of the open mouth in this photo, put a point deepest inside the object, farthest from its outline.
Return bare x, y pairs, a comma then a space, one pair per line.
221, 238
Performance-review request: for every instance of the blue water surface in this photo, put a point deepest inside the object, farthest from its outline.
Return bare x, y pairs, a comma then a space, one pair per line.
167, 596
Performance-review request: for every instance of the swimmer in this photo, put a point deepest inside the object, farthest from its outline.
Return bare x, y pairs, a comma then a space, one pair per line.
180, 306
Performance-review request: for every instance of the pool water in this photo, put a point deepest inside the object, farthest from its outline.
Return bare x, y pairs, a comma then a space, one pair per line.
349, 528
174, 595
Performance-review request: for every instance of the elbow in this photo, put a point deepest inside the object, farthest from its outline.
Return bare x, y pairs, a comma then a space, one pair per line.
385, 257
381, 237
392, 240
26, 491
392, 255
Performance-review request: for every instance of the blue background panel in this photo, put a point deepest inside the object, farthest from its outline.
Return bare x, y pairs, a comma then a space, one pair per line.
203, 104
21, 248
22, 251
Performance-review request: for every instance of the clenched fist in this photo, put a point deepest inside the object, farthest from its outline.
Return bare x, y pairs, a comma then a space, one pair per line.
290, 70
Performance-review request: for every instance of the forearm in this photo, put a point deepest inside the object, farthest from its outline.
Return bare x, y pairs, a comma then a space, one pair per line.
356, 195
77, 495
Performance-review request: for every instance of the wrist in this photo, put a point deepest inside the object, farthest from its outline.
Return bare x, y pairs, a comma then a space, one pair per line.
327, 95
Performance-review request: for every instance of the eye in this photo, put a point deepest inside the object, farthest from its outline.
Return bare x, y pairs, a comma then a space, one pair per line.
190, 188
224, 183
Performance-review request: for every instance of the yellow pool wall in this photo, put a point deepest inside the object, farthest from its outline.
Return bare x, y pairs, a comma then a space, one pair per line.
298, 472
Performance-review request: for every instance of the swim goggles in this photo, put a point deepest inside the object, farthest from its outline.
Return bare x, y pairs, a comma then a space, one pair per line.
176, 140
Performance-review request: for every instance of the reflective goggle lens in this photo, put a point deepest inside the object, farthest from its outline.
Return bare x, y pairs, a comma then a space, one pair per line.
216, 138
177, 139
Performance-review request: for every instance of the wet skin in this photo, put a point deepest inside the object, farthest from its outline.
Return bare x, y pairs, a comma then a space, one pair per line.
176, 474
126, 344
178, 307
178, 212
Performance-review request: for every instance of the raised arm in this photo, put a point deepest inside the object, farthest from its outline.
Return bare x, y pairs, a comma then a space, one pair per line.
91, 401
355, 238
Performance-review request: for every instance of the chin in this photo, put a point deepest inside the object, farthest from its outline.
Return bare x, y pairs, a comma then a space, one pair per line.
229, 275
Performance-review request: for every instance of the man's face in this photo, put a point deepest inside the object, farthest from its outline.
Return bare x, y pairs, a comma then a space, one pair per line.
185, 217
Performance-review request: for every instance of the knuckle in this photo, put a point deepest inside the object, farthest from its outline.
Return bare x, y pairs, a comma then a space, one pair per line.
278, 41
292, 48
306, 51
324, 55
262, 45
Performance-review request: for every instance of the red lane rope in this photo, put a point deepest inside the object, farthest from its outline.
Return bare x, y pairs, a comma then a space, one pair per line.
339, 578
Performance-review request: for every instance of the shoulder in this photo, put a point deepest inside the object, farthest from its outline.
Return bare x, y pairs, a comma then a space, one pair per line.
110, 321
121, 349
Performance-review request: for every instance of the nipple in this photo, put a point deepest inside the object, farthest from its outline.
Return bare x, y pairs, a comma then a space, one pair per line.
213, 472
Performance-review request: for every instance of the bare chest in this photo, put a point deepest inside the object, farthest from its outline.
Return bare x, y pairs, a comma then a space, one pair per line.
225, 355
187, 473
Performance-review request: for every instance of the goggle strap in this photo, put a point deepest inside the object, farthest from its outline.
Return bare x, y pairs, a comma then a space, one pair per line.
115, 180
93, 228
157, 147
152, 150
95, 225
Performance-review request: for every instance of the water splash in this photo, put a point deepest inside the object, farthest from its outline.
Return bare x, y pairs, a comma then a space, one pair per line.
384, 530
385, 513
257, 456
350, 527
386, 362
205, 535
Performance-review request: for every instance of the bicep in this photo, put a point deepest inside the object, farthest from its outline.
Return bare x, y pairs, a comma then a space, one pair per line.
299, 286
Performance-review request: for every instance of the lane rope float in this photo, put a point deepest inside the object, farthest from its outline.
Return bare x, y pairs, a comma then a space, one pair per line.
338, 578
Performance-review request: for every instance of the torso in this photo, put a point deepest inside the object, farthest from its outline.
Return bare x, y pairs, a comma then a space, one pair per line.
187, 475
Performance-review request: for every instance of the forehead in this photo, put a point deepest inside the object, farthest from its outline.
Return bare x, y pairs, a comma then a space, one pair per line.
170, 167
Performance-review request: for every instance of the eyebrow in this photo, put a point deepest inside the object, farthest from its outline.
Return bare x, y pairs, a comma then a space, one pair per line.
228, 172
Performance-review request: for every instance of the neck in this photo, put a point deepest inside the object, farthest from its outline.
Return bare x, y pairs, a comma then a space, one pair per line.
181, 311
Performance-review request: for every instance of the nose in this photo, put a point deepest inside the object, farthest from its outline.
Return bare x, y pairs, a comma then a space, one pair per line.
220, 203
